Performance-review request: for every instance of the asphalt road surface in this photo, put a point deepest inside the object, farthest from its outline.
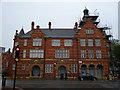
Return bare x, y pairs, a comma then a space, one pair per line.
37, 83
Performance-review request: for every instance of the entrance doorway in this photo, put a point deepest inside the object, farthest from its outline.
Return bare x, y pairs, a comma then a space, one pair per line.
83, 69
62, 72
99, 71
36, 71
91, 69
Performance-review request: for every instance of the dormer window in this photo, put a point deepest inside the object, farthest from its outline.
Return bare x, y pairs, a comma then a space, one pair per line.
89, 31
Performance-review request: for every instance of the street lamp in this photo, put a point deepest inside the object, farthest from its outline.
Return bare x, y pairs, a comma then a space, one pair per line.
17, 50
54, 70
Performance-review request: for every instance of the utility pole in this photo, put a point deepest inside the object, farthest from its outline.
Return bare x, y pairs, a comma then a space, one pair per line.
77, 60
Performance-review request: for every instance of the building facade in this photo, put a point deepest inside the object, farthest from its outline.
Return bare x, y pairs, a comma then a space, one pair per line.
6, 59
2, 50
50, 52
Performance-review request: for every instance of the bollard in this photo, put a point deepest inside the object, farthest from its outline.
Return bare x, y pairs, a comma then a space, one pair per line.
110, 77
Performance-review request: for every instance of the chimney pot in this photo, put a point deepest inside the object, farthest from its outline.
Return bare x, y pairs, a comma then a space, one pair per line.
76, 25
37, 27
49, 25
32, 25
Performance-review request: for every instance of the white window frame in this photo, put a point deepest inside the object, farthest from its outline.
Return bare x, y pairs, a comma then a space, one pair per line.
97, 42
37, 53
55, 42
24, 53
68, 43
48, 68
62, 54
90, 42
25, 42
91, 54
89, 31
83, 42
83, 53
73, 68
98, 54
37, 42
58, 54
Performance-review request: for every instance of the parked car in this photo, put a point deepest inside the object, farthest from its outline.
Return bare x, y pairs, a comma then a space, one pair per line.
87, 76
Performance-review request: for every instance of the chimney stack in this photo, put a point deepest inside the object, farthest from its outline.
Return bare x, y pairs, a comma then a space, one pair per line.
32, 25
49, 24
76, 25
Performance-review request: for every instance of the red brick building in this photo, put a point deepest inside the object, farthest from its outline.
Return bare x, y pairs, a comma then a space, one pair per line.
7, 59
50, 52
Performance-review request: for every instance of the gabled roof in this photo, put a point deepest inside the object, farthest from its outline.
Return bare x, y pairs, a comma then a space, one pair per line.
54, 33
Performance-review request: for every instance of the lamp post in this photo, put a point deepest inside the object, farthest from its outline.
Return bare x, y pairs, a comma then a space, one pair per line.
17, 50
44, 58
54, 71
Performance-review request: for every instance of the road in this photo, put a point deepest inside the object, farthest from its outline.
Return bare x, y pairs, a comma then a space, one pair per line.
37, 83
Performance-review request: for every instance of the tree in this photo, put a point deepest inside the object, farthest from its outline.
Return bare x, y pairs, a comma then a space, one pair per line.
115, 56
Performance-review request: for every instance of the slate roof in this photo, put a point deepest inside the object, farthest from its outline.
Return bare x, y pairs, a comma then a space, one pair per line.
21, 32
54, 33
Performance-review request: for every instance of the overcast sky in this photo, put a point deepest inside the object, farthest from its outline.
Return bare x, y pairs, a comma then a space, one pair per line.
16, 15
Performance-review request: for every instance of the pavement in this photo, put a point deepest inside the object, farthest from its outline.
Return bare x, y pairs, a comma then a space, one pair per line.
7, 87
36, 84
